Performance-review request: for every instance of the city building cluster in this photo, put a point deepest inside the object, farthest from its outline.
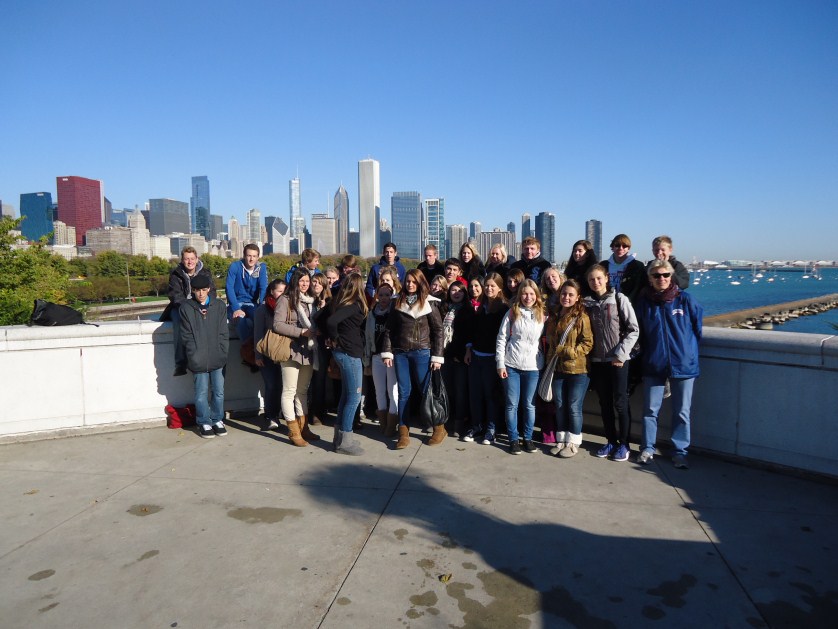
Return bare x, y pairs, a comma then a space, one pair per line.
82, 221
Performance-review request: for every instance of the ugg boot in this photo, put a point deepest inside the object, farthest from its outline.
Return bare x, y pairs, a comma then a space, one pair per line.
438, 436
404, 437
381, 416
294, 434
305, 431
347, 443
392, 422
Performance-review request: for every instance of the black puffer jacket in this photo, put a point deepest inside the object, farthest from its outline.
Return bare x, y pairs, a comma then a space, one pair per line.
203, 331
180, 288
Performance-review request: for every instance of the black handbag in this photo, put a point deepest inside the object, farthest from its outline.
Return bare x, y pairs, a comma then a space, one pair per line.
433, 407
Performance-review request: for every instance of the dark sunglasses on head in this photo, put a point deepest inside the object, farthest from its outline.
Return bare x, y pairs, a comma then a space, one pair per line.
657, 276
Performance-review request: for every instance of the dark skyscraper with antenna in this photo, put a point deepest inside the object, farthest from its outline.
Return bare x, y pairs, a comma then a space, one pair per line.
341, 215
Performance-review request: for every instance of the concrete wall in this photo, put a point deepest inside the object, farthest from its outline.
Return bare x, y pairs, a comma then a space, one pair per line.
769, 396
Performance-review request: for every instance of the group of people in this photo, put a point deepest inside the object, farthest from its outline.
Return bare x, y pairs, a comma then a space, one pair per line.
514, 335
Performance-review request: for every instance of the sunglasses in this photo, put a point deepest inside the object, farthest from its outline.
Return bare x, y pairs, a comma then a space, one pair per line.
657, 276
620, 246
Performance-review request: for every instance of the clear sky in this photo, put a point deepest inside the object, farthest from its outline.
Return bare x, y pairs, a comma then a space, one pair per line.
714, 122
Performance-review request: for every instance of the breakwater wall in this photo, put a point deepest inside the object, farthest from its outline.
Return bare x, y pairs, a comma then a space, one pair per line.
766, 396
765, 317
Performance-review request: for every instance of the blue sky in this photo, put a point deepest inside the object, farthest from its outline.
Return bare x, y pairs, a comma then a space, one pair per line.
714, 122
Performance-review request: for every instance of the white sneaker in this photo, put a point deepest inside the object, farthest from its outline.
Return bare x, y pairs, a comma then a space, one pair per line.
645, 457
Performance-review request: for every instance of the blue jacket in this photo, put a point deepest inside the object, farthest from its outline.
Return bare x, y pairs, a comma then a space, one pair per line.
243, 288
669, 335
375, 271
302, 266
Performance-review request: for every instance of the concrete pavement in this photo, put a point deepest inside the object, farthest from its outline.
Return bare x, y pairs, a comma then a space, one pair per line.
159, 528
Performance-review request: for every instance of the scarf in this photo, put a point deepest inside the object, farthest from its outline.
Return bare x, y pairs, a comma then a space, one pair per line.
270, 303
475, 303
665, 296
411, 299
448, 322
304, 310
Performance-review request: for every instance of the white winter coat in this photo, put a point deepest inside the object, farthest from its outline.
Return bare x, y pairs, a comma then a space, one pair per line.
517, 345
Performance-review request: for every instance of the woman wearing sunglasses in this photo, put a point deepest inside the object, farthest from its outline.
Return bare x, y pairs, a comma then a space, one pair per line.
670, 330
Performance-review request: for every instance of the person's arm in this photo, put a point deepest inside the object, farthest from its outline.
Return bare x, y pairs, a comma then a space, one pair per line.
500, 344
389, 331
682, 275
175, 291
437, 337
280, 317
629, 330
338, 316
372, 278
230, 286
263, 284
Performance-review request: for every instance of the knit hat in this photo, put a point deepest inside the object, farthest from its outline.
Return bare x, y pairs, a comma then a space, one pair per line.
199, 281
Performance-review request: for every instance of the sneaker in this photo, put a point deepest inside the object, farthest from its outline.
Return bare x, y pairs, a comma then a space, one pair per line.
605, 451
680, 462
206, 431
219, 429
569, 450
556, 449
469, 435
488, 438
529, 446
667, 390
269, 425
621, 453
180, 370
515, 447
645, 457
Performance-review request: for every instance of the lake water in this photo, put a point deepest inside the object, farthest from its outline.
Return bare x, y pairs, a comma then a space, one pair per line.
717, 295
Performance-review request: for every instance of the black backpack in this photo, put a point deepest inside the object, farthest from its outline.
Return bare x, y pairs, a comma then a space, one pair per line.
48, 313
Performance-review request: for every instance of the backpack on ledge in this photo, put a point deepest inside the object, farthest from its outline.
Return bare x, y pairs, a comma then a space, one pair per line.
48, 313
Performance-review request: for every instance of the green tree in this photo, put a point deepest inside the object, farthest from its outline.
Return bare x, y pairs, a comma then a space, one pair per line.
26, 275
216, 265
110, 264
159, 266
79, 267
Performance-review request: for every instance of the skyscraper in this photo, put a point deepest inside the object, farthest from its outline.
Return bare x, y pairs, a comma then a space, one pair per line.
37, 212
545, 231
324, 234
200, 207
81, 203
167, 216
369, 206
406, 216
254, 226
435, 226
526, 226
510, 227
216, 225
455, 236
279, 235
341, 214
487, 240
295, 212
593, 234
474, 230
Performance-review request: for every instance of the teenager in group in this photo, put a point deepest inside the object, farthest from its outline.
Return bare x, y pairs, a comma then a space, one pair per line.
670, 330
389, 257
431, 265
384, 377
247, 283
390, 275
582, 258
455, 326
333, 275
453, 270
497, 262
309, 262
626, 273
545, 412
615, 334
413, 343
263, 320
532, 263
662, 250
294, 317
569, 336
471, 263
319, 378
518, 361
205, 344
180, 291
513, 281
344, 325
490, 306
439, 287
551, 283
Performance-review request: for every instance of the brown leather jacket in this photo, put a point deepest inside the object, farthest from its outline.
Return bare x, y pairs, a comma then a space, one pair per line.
409, 328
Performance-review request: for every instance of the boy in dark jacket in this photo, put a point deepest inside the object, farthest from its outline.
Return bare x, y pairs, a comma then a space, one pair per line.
205, 341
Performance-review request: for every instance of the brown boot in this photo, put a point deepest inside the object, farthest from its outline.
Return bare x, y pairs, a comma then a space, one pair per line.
305, 431
294, 434
382, 419
392, 422
439, 434
404, 437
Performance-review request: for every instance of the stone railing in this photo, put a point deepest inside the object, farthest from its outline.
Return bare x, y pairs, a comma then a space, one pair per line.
767, 396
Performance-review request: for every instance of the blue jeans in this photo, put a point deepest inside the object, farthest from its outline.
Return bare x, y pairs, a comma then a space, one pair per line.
351, 373
455, 376
411, 369
209, 409
681, 400
483, 388
272, 377
569, 395
520, 386
244, 325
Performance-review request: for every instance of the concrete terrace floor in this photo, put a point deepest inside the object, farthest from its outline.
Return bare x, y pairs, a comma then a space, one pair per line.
159, 528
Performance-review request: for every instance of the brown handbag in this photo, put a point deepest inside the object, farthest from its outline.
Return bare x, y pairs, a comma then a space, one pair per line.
276, 346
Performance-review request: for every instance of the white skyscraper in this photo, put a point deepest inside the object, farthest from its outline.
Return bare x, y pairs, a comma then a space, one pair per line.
295, 208
369, 206
324, 234
254, 226
455, 236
